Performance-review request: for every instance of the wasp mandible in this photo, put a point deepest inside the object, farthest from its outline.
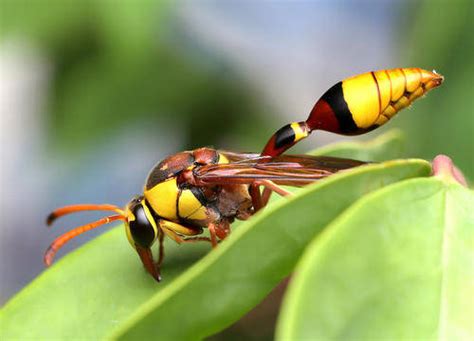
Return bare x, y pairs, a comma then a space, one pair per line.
209, 188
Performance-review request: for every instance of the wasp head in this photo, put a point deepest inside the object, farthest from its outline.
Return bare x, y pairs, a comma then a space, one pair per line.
142, 232
140, 227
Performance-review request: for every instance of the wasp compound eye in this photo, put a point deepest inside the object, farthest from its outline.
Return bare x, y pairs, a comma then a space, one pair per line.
141, 229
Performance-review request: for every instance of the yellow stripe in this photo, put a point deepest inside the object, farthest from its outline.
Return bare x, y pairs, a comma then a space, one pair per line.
403, 102
150, 218
299, 133
381, 120
362, 98
190, 207
129, 235
162, 198
384, 88
223, 158
200, 214
389, 111
398, 83
415, 94
413, 79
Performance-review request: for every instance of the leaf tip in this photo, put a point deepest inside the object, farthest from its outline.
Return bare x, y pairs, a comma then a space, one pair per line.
444, 168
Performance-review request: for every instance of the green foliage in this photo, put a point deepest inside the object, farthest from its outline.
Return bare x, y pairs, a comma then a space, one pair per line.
256, 257
396, 265
90, 291
391, 262
439, 36
404, 249
119, 64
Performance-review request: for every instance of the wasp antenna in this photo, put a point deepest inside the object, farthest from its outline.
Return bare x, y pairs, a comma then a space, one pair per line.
78, 208
63, 239
51, 217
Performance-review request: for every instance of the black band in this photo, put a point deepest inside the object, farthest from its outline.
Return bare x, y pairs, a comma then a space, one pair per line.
335, 98
285, 136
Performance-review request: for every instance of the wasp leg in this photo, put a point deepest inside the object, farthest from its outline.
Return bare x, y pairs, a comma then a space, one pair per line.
222, 229
266, 196
212, 232
174, 230
178, 239
173, 235
196, 239
254, 192
218, 231
271, 186
260, 200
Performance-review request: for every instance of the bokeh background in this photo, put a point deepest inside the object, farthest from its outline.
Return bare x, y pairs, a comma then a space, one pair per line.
94, 93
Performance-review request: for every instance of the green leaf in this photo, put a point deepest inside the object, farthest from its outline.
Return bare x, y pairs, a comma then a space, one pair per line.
89, 291
397, 265
231, 280
101, 290
384, 147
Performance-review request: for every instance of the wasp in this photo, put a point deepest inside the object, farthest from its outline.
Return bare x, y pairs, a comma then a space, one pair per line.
209, 188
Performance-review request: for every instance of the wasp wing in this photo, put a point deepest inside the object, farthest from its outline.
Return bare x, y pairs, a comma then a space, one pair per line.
241, 157
290, 170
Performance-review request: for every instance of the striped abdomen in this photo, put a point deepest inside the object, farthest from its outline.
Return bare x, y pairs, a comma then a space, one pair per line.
358, 104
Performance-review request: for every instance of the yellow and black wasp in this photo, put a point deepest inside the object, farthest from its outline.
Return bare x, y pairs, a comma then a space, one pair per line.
209, 188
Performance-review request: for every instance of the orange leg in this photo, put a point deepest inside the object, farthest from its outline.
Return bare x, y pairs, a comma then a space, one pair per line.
271, 186
260, 200
196, 239
212, 232
217, 231
254, 192
266, 196
222, 229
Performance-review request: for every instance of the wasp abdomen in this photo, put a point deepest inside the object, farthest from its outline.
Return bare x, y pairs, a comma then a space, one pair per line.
364, 102
400, 95
392, 91
357, 105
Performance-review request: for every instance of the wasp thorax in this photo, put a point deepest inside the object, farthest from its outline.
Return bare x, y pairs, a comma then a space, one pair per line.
141, 226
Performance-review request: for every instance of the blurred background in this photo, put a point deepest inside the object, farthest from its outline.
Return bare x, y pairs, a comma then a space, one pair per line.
94, 93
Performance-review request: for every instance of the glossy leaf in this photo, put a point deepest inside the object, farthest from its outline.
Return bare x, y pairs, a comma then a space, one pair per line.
397, 265
231, 280
90, 291
101, 287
